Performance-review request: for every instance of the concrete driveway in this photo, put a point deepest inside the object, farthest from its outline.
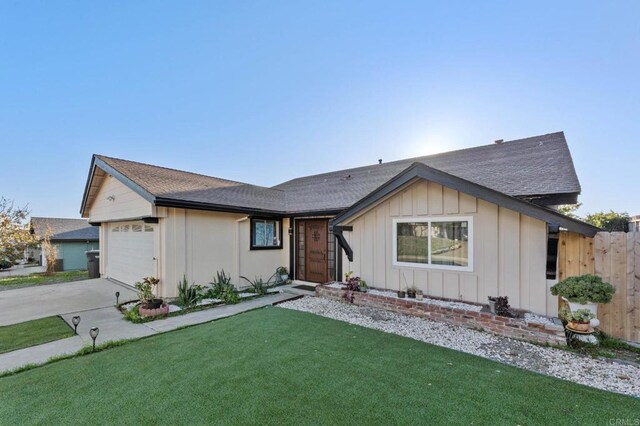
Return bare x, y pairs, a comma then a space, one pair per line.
24, 304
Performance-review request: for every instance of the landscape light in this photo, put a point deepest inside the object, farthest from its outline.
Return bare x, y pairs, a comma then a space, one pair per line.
94, 334
75, 320
117, 296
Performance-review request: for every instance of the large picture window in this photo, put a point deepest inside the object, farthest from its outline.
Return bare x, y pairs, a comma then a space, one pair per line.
438, 243
266, 233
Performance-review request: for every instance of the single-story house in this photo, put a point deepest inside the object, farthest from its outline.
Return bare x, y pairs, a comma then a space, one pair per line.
72, 237
464, 225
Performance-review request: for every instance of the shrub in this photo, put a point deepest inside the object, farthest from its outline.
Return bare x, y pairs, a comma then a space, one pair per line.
229, 296
502, 306
221, 283
581, 315
258, 285
188, 295
5, 264
584, 289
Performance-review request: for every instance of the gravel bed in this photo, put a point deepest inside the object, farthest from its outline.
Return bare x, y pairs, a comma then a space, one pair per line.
529, 317
601, 374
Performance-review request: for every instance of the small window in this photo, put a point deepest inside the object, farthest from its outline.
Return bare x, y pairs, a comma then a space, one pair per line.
125, 228
266, 234
438, 243
148, 228
116, 229
136, 228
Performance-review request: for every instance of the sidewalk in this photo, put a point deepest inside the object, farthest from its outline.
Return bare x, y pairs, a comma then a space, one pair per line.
112, 327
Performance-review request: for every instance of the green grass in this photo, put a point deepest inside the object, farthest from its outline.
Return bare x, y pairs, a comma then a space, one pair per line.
30, 333
41, 278
275, 366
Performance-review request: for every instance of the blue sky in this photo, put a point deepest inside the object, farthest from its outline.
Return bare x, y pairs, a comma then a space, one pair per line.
264, 92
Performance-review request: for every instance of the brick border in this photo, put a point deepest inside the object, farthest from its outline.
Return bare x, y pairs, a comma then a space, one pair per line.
515, 328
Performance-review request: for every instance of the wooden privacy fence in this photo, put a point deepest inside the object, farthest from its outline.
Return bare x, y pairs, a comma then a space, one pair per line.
615, 257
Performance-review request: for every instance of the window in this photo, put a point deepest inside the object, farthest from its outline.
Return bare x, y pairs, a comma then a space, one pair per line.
116, 229
148, 228
136, 228
438, 243
266, 233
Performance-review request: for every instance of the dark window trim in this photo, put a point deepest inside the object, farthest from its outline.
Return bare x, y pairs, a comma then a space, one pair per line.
251, 233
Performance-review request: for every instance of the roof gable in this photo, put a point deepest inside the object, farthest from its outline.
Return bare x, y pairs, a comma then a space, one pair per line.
420, 171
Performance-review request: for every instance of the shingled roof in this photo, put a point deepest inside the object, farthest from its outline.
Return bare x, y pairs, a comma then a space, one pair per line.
537, 169
64, 229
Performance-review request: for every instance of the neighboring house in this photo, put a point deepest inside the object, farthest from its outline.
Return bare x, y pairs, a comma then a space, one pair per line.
463, 225
634, 223
72, 237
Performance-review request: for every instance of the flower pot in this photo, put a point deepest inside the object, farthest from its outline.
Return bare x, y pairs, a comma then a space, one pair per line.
363, 289
419, 296
146, 312
579, 326
401, 294
411, 294
153, 304
284, 277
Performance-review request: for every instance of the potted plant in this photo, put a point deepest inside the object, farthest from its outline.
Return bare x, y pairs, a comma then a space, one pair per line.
499, 305
401, 294
419, 295
150, 305
580, 320
411, 292
584, 292
362, 286
283, 273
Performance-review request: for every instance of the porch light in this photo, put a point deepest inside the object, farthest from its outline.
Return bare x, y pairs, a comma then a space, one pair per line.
117, 297
75, 320
94, 334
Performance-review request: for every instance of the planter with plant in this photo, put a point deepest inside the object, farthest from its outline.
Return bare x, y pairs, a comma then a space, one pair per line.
283, 273
150, 305
500, 306
402, 294
411, 292
584, 292
362, 286
419, 295
580, 320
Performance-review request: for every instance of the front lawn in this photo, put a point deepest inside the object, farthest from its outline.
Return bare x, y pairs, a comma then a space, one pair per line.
278, 366
41, 278
31, 333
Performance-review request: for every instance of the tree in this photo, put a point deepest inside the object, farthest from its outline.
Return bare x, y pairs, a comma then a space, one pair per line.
15, 235
609, 221
50, 252
570, 210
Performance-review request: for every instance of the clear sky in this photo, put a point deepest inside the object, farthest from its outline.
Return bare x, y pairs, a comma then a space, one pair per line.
266, 91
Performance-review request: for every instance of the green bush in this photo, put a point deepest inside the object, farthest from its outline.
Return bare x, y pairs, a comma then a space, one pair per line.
221, 284
584, 289
229, 296
581, 315
189, 295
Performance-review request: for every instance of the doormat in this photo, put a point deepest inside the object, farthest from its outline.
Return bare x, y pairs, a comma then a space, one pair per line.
305, 287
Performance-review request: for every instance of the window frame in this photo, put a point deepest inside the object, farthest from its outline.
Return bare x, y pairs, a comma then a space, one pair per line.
252, 233
429, 220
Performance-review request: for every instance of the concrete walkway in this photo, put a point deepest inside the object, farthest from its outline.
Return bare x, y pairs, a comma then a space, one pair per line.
29, 303
113, 327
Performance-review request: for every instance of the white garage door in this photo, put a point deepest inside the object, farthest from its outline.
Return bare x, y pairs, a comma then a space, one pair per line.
130, 251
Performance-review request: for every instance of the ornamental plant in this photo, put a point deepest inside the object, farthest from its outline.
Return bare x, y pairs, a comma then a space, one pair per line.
581, 315
146, 289
584, 289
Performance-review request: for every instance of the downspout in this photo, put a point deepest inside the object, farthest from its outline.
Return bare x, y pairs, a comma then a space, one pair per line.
237, 248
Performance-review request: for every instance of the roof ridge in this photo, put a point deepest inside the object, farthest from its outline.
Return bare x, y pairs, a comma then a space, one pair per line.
101, 156
59, 218
546, 136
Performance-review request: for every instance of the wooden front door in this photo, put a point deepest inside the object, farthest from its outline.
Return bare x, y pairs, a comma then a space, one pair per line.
316, 251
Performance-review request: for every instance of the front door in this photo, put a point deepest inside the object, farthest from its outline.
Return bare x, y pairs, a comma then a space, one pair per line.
316, 251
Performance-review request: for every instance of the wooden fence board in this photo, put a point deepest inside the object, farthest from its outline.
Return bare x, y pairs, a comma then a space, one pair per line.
615, 257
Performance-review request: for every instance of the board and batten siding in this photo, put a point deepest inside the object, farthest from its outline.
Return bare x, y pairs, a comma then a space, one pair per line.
200, 243
115, 201
509, 249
